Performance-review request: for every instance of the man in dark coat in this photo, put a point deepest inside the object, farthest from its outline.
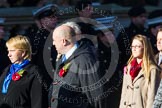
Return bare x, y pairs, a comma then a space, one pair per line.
76, 80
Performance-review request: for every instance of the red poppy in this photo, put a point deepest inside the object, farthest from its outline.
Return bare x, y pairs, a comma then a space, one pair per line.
16, 77
64, 70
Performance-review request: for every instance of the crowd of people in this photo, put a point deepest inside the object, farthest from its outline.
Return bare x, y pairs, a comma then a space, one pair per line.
84, 73
27, 3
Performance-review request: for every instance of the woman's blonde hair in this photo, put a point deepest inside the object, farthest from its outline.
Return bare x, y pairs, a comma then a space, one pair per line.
22, 43
147, 59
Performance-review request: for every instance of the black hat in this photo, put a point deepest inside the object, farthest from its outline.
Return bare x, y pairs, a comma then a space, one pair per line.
80, 5
136, 11
45, 11
155, 18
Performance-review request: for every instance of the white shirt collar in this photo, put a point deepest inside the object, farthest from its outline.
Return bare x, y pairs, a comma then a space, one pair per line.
71, 51
160, 54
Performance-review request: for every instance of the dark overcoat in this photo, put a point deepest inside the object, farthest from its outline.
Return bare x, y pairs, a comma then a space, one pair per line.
79, 87
27, 92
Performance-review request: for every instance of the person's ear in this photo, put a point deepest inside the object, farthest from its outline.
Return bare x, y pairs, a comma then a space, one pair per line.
24, 53
64, 42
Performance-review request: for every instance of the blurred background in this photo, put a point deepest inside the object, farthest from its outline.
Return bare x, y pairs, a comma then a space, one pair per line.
18, 13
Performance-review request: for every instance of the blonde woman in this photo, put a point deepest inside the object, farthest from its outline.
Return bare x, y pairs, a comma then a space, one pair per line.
141, 76
20, 83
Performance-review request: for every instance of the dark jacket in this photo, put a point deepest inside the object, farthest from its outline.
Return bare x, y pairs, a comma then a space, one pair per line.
158, 98
152, 39
4, 61
86, 28
113, 85
38, 40
27, 92
73, 90
156, 58
133, 30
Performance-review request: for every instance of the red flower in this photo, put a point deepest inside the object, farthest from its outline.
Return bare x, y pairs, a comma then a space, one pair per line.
16, 77
63, 71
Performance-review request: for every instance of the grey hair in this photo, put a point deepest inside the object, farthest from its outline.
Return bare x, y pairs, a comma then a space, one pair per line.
73, 25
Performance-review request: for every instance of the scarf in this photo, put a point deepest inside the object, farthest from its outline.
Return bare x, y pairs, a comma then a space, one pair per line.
135, 68
13, 69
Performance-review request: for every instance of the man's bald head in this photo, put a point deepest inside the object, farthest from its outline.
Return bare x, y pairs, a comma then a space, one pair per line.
64, 31
63, 38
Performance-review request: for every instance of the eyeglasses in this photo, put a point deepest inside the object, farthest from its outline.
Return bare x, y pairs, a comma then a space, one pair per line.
136, 47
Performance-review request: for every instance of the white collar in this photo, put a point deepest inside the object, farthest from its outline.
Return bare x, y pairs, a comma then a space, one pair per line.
160, 54
71, 51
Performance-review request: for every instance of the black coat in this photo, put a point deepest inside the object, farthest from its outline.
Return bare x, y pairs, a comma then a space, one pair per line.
153, 40
4, 61
74, 90
38, 39
27, 92
38, 42
113, 85
86, 28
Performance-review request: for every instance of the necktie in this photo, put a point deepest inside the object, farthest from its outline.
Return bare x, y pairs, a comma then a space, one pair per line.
160, 59
63, 58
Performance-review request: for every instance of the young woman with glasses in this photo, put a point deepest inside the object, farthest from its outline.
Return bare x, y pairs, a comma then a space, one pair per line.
141, 76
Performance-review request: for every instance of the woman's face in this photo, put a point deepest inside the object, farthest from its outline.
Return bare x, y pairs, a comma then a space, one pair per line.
16, 56
137, 49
